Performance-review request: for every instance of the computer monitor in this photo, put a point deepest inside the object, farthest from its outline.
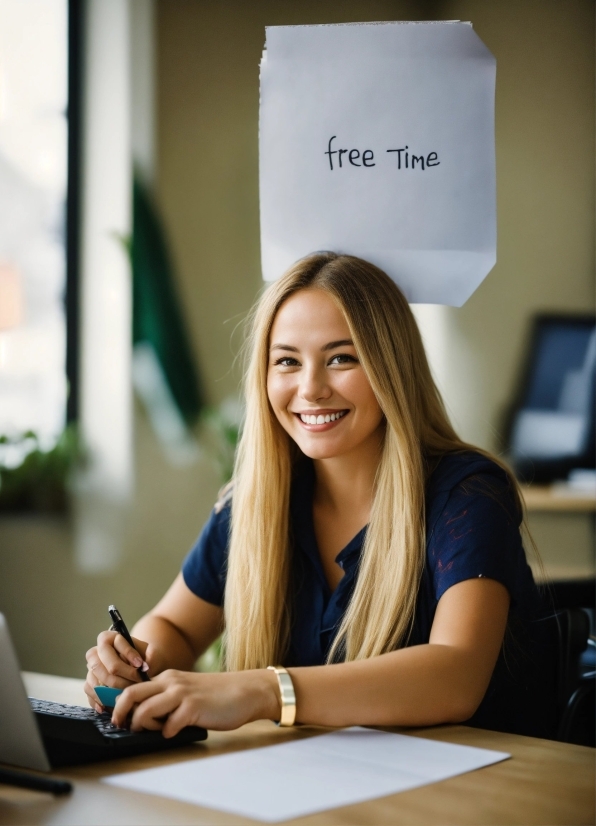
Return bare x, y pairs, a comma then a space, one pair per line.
551, 428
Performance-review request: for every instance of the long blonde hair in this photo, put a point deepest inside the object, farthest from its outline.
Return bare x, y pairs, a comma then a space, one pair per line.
417, 429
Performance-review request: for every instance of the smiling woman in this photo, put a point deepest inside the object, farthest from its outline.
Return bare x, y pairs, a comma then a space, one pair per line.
323, 399
362, 543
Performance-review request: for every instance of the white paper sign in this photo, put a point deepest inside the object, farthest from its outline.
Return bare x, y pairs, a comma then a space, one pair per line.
377, 140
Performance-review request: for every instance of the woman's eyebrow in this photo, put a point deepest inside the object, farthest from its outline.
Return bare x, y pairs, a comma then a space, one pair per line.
344, 342
332, 345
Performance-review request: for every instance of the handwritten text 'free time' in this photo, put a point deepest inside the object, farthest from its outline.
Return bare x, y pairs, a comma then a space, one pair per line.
366, 158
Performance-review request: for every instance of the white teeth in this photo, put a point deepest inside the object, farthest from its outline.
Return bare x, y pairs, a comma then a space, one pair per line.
321, 419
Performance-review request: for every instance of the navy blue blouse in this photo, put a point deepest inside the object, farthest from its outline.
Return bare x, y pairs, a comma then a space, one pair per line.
472, 529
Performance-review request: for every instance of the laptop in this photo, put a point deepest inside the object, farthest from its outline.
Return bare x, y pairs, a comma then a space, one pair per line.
39, 734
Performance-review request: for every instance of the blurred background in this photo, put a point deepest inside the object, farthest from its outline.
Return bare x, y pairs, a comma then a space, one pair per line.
121, 306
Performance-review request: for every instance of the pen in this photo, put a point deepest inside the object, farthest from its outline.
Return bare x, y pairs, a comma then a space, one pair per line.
119, 626
35, 781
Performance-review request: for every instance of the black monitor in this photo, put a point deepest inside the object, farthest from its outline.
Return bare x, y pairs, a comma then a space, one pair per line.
551, 427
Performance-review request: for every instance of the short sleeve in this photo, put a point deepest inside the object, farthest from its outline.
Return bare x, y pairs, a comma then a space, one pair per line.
204, 569
477, 535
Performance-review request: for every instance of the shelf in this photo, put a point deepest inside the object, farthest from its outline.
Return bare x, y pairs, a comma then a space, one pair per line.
557, 498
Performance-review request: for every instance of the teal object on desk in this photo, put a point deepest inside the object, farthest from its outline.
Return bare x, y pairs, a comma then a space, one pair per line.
107, 696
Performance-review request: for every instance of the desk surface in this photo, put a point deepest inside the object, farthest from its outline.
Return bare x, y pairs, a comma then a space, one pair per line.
544, 783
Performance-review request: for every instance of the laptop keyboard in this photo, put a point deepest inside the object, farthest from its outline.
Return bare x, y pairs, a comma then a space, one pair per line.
102, 722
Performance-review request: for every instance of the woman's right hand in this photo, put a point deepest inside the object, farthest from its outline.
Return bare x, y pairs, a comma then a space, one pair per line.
114, 663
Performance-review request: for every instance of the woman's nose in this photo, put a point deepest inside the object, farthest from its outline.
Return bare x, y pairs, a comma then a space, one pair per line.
313, 385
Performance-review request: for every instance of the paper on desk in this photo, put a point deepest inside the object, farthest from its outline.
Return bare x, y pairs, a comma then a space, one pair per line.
302, 777
411, 108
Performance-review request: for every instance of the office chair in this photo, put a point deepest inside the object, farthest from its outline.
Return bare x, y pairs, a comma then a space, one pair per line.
575, 686
578, 721
573, 593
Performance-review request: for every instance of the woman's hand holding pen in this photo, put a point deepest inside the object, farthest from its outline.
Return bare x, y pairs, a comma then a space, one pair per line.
188, 628
175, 699
114, 662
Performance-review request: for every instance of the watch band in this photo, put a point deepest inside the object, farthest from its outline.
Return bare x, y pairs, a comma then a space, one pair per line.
287, 695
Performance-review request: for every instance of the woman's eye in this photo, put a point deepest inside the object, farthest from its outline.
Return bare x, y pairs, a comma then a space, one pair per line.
286, 361
343, 358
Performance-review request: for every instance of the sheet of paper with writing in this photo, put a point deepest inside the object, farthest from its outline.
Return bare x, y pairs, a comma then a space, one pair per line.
294, 779
377, 139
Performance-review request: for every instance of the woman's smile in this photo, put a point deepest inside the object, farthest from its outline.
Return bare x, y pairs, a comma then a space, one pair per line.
319, 421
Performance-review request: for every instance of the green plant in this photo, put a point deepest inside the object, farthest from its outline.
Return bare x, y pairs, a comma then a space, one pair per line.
39, 479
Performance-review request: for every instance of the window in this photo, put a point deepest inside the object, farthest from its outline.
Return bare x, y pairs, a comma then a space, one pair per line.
33, 186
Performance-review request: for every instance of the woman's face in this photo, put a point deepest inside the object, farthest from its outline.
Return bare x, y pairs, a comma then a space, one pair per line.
317, 388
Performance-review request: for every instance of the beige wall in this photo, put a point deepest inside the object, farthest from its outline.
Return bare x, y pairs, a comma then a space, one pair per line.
208, 56
545, 198
208, 93
208, 106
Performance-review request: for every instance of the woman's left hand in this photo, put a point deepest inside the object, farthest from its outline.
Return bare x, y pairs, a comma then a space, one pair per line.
175, 699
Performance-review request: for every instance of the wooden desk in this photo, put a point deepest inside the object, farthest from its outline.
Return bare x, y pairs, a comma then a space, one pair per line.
544, 783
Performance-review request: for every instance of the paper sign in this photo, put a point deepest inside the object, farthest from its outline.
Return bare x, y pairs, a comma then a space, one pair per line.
377, 140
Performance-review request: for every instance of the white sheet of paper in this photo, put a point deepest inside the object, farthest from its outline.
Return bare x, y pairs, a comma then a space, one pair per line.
424, 88
294, 779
